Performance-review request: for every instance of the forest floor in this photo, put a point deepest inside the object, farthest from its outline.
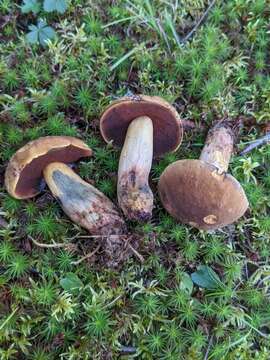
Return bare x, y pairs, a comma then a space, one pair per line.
54, 306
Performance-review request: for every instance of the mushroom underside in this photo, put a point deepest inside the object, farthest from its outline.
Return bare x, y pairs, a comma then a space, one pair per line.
166, 122
31, 175
24, 171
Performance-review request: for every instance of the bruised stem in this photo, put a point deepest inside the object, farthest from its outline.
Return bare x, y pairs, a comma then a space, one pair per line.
218, 147
82, 202
89, 208
134, 194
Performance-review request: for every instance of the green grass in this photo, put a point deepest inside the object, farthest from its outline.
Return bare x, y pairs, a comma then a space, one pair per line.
103, 51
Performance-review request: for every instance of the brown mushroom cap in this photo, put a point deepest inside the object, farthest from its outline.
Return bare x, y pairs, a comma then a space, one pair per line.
168, 131
194, 193
24, 171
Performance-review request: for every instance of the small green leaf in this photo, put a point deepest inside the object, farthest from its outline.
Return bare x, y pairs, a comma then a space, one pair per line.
30, 6
206, 278
71, 282
40, 33
32, 36
186, 283
55, 5
45, 34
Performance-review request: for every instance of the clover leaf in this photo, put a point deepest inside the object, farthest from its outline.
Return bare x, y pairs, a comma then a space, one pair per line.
55, 5
40, 33
30, 6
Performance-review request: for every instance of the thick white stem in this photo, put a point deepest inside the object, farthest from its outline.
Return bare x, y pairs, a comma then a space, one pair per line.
134, 194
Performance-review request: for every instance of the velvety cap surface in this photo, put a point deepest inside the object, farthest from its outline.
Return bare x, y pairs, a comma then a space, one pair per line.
194, 193
167, 125
24, 171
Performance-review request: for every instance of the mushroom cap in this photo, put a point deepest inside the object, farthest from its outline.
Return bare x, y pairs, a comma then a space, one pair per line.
24, 170
195, 193
168, 130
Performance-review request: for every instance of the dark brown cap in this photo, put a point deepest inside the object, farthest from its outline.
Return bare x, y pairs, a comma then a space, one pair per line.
24, 171
194, 193
168, 131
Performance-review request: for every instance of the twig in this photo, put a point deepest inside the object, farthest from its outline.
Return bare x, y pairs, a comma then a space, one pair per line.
139, 256
113, 301
99, 236
128, 349
266, 336
256, 143
203, 17
55, 245
208, 348
87, 256
263, 280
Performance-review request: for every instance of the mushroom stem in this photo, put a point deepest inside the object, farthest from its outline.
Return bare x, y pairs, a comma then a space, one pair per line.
82, 202
134, 194
218, 147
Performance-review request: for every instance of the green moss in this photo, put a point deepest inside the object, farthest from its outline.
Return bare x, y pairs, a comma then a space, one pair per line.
45, 226
84, 99
11, 205
14, 135
150, 303
45, 294
98, 324
20, 112
30, 76
48, 105
10, 80
17, 266
108, 187
7, 251
56, 125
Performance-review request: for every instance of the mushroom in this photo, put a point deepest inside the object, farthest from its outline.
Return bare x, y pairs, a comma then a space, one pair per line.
24, 172
201, 192
84, 204
145, 126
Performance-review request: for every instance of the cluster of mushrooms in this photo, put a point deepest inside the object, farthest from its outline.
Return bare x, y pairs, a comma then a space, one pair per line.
196, 192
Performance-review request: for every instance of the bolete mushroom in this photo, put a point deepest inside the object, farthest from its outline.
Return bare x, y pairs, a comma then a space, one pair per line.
201, 192
145, 126
24, 171
84, 204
